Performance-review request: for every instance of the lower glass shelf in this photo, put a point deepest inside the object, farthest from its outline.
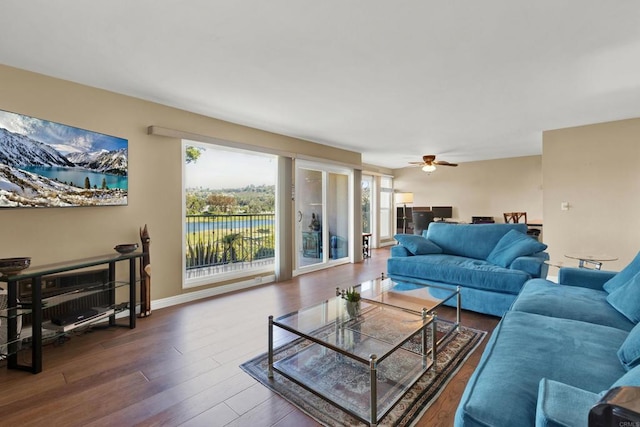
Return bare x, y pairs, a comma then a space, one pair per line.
77, 320
51, 331
347, 383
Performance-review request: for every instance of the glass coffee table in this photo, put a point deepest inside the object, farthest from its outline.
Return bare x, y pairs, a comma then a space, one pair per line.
381, 351
591, 261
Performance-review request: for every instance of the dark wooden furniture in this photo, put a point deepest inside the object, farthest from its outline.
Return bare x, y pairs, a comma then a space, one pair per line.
515, 217
409, 212
366, 245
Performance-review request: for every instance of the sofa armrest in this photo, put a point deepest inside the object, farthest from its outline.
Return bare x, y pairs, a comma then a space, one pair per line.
533, 264
560, 404
583, 277
400, 251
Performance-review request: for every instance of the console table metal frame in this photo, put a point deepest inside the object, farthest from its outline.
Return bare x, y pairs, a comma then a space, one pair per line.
36, 273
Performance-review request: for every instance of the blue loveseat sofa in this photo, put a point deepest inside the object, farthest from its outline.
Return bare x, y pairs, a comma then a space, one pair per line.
490, 262
557, 351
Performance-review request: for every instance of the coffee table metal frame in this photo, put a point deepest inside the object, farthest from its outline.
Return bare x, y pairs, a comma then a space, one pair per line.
426, 320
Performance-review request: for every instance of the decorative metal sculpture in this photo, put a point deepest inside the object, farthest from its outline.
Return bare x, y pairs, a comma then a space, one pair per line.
145, 274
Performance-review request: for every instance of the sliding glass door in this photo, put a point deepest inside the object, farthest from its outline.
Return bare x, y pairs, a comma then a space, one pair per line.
323, 223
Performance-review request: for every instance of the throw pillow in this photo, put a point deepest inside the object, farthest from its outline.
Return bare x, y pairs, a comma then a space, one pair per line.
626, 299
512, 245
623, 276
629, 351
417, 245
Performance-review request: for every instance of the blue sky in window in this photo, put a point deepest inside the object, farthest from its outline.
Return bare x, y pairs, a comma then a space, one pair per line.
218, 168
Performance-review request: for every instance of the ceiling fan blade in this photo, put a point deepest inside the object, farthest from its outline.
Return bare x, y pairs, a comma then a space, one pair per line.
444, 163
416, 163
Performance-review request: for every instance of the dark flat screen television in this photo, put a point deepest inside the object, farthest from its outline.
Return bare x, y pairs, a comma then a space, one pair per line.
48, 164
442, 212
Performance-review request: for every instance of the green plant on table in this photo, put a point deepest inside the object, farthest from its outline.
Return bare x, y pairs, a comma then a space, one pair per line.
351, 295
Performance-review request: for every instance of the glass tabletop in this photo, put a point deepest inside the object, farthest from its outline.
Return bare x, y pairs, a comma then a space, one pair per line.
404, 295
390, 314
42, 270
592, 257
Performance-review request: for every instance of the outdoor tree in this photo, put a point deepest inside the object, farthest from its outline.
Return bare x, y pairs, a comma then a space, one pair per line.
220, 203
192, 154
195, 204
87, 183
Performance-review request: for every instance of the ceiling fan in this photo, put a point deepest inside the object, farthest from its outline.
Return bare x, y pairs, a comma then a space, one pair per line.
429, 163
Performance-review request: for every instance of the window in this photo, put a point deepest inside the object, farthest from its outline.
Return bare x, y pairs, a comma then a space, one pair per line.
367, 192
323, 204
229, 205
386, 205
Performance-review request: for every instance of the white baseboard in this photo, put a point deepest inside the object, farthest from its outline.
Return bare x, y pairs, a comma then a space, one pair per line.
210, 292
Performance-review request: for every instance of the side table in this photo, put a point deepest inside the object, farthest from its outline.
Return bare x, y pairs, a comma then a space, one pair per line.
591, 261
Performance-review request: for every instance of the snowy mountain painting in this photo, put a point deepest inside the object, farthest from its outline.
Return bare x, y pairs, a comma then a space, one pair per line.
48, 164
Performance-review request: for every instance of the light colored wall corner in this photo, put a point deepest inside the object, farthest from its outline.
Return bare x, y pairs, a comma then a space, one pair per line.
595, 170
483, 188
155, 175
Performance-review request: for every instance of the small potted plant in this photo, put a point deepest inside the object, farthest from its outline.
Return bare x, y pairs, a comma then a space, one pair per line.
352, 299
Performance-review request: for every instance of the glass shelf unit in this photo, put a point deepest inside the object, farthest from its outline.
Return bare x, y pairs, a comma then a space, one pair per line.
107, 297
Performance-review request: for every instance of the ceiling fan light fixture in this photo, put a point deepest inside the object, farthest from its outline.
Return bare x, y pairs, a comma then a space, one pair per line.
429, 168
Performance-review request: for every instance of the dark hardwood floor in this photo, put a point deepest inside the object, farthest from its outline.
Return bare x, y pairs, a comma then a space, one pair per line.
179, 367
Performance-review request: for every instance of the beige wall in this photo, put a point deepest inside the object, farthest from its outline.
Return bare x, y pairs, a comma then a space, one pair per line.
595, 169
155, 177
484, 188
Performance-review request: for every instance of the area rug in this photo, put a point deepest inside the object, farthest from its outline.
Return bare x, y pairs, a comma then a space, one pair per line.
452, 353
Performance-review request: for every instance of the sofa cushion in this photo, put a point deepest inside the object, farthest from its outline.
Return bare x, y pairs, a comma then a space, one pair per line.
418, 245
629, 352
469, 240
525, 348
626, 299
543, 297
457, 270
623, 276
513, 245
561, 405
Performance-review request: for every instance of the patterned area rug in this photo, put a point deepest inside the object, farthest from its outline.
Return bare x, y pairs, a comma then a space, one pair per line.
452, 353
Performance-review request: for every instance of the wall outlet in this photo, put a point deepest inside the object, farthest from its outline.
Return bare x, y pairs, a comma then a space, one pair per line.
564, 206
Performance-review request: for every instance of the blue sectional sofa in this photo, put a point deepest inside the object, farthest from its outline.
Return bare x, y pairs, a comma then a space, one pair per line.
557, 351
490, 262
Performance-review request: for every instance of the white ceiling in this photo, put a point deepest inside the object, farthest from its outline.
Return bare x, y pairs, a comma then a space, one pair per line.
466, 80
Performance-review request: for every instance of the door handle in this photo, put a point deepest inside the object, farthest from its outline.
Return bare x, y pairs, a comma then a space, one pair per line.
299, 216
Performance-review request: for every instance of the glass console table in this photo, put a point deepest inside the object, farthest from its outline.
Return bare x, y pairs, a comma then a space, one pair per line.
17, 309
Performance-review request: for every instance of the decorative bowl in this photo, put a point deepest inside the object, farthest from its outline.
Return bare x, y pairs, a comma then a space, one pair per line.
11, 266
126, 248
